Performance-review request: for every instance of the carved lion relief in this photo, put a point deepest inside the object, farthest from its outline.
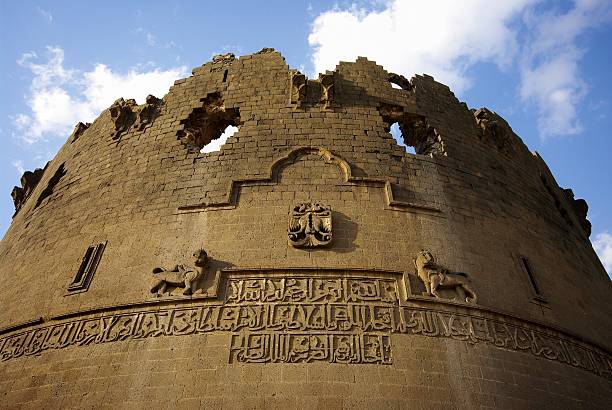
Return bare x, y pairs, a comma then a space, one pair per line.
181, 276
310, 225
436, 277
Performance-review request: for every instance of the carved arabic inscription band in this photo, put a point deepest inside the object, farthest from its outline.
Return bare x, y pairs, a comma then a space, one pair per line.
307, 319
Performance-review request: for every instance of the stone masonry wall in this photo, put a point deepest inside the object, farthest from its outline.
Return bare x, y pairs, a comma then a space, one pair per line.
135, 179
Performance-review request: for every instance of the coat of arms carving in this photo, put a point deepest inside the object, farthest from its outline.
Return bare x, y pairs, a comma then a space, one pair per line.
310, 225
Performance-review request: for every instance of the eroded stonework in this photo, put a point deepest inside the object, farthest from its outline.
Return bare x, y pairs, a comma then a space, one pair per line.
332, 275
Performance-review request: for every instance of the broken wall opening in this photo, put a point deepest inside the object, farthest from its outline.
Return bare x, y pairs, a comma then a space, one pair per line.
412, 131
208, 123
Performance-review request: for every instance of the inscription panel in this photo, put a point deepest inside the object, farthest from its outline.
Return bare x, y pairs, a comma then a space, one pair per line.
307, 319
312, 290
310, 347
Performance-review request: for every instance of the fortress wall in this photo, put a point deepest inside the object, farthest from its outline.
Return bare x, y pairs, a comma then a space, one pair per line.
191, 372
478, 206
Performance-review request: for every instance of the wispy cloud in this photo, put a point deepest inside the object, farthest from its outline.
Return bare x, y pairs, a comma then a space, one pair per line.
550, 66
603, 246
447, 38
60, 97
45, 14
442, 38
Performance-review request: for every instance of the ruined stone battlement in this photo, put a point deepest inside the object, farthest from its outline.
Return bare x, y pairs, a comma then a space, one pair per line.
323, 240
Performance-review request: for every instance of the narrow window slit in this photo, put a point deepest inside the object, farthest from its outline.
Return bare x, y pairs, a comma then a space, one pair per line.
532, 280
88, 267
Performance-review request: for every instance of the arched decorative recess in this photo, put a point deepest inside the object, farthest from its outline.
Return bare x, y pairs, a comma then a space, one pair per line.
235, 185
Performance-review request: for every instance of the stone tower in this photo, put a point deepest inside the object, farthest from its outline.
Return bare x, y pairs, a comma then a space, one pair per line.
311, 262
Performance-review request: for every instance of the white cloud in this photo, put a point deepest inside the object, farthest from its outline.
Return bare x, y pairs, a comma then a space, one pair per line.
442, 38
60, 97
215, 145
550, 72
446, 38
603, 246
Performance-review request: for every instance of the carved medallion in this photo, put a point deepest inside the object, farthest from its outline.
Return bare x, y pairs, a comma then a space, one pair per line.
310, 225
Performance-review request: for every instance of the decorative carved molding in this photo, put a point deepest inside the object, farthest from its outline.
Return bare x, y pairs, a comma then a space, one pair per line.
436, 277
310, 225
334, 318
236, 185
180, 276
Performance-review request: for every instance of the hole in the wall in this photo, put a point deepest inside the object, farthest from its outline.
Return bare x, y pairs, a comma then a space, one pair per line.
208, 123
399, 82
399, 138
215, 144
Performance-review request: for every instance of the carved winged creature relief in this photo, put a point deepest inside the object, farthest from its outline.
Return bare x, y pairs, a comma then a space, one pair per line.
310, 225
437, 277
180, 276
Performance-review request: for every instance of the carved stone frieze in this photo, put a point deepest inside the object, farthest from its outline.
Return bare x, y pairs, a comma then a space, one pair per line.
310, 225
305, 332
181, 276
312, 290
436, 277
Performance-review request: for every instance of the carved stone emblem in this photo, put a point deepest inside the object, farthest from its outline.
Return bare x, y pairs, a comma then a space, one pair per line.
183, 276
310, 225
436, 277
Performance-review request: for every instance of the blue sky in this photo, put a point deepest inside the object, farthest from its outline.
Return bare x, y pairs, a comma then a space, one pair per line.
543, 65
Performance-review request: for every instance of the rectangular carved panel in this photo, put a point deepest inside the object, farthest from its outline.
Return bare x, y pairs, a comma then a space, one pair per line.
310, 347
312, 290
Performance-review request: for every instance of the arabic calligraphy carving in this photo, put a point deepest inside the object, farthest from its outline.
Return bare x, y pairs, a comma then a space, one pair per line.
308, 347
304, 319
